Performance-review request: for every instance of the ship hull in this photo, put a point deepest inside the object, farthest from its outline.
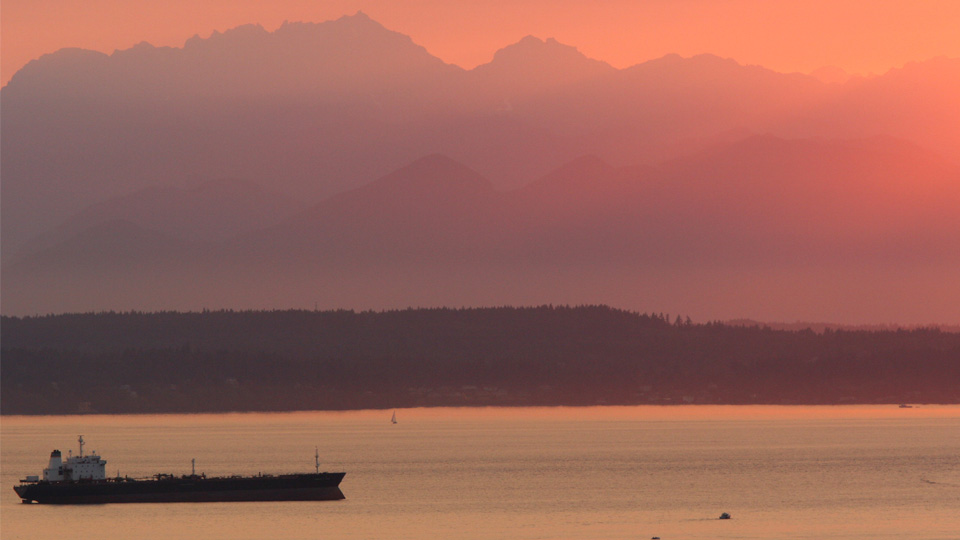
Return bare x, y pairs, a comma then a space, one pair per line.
301, 487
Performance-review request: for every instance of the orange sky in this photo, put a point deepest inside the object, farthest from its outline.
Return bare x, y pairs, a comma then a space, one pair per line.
861, 36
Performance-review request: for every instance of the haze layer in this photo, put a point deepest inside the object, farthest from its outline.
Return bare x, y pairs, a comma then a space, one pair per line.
342, 165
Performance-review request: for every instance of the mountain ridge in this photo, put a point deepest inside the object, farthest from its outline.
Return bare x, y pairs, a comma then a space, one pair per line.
585, 220
317, 110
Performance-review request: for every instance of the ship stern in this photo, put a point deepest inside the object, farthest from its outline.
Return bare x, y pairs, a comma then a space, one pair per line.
23, 491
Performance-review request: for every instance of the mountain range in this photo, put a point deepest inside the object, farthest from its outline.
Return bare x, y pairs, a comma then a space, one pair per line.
436, 232
367, 173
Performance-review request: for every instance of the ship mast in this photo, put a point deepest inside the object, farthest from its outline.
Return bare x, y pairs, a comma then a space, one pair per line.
316, 457
80, 440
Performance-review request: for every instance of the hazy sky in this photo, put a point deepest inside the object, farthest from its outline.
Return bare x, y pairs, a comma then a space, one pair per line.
860, 36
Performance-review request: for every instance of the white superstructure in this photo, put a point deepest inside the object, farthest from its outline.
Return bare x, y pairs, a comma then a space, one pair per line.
81, 467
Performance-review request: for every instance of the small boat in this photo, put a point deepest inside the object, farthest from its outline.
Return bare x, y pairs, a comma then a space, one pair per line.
393, 419
905, 406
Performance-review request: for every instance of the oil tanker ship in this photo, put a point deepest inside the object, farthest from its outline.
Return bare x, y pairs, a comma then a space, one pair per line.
81, 479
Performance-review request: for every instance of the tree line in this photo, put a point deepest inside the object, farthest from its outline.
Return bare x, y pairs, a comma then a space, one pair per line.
548, 355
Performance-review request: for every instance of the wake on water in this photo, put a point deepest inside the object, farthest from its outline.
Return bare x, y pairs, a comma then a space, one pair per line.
946, 484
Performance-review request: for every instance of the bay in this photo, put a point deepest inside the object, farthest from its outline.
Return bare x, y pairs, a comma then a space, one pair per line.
850, 472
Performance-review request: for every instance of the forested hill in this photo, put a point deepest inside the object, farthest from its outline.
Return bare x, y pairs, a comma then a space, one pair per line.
293, 360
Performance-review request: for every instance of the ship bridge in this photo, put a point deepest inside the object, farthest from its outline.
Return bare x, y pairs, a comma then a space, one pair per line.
79, 467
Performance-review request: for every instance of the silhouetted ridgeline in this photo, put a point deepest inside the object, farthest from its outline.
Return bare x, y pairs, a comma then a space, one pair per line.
288, 360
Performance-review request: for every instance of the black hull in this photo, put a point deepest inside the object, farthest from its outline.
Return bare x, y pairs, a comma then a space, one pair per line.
301, 487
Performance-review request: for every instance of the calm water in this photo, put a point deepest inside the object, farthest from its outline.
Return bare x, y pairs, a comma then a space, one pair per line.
618, 472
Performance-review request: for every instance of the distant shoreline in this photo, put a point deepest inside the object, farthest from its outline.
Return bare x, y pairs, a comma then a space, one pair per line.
219, 362
562, 412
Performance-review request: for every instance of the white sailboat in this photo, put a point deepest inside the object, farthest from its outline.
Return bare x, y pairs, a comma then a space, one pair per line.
393, 419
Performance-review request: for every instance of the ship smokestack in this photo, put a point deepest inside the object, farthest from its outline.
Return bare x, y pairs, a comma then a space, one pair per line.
54, 471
